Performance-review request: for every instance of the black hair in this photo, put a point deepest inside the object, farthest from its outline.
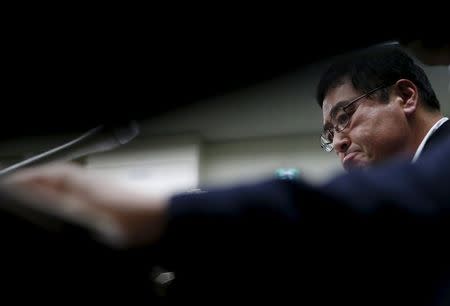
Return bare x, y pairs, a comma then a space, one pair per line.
375, 66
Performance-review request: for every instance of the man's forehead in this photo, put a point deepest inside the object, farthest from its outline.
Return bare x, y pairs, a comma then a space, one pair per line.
329, 104
326, 107
344, 92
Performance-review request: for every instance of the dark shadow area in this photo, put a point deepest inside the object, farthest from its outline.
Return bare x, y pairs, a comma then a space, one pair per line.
62, 78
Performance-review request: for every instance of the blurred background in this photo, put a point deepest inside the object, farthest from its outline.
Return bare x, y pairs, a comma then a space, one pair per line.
220, 96
253, 131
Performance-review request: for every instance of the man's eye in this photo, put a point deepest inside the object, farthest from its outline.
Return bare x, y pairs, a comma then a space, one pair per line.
341, 118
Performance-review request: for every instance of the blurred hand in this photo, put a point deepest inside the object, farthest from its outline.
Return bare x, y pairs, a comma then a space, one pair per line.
117, 214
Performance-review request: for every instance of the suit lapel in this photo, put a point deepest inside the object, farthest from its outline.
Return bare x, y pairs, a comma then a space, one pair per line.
441, 133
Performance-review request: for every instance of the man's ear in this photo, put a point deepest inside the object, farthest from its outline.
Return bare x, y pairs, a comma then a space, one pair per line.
409, 96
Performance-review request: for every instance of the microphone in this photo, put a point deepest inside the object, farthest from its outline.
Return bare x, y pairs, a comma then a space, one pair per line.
99, 139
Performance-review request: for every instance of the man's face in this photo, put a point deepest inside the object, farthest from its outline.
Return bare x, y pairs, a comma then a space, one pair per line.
377, 130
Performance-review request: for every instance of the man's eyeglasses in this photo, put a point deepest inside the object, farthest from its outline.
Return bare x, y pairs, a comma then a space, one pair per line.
340, 119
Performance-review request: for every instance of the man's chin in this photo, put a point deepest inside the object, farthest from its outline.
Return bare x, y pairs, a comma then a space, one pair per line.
356, 165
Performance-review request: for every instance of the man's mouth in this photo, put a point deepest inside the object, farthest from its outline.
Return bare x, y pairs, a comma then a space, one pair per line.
349, 160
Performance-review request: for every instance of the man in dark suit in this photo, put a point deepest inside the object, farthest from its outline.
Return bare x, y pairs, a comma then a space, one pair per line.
370, 237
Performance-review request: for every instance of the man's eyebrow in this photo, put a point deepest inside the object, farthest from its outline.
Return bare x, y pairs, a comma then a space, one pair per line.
336, 107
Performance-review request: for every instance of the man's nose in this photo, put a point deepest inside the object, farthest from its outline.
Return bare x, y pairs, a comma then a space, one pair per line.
341, 143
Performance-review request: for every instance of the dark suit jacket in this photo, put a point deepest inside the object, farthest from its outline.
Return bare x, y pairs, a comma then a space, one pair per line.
439, 135
370, 237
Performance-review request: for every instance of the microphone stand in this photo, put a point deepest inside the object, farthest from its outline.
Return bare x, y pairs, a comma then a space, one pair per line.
96, 140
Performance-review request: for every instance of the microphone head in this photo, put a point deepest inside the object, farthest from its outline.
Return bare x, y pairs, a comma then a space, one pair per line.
106, 138
125, 133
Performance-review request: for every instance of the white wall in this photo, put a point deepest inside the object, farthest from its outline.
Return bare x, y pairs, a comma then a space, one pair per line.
229, 162
164, 165
158, 166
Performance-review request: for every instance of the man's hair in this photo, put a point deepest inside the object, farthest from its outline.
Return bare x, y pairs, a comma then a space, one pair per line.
373, 67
